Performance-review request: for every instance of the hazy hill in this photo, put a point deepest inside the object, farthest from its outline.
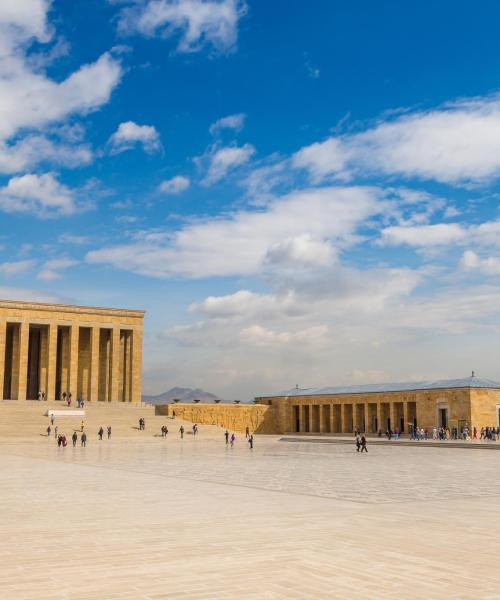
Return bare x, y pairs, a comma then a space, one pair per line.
183, 394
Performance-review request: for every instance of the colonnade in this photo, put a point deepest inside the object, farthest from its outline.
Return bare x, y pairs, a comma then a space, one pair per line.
345, 417
51, 360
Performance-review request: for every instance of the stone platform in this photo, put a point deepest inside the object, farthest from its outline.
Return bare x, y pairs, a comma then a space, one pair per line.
145, 518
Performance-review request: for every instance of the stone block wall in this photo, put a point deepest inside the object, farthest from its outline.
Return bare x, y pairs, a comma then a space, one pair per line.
234, 417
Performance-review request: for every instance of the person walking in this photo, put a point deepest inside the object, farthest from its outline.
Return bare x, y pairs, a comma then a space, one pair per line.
48, 431
226, 435
182, 432
100, 432
233, 439
109, 432
250, 442
55, 431
74, 438
358, 443
52, 419
82, 425
363, 444
247, 432
84, 439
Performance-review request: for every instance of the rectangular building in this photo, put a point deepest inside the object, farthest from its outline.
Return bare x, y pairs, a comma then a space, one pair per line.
52, 350
471, 402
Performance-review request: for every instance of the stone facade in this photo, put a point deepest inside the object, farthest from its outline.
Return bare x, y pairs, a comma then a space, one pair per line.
235, 417
374, 411
92, 353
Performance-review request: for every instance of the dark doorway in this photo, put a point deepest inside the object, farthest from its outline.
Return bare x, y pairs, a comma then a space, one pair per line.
9, 361
33, 380
296, 410
443, 417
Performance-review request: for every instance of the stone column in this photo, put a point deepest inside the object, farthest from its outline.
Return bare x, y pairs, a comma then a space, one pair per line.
379, 417
355, 424
3, 335
368, 425
392, 415
24, 338
342, 418
321, 425
405, 417
115, 364
73, 361
127, 368
136, 365
94, 364
51, 364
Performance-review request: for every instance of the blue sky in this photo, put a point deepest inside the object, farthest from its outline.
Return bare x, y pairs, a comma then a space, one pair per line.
295, 193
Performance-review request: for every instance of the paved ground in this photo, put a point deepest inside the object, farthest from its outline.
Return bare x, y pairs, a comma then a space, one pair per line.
152, 518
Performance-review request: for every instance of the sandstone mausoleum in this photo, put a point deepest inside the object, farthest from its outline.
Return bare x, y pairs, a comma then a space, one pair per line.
51, 350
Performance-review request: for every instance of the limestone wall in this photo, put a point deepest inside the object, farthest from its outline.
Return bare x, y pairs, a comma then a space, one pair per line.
235, 417
485, 407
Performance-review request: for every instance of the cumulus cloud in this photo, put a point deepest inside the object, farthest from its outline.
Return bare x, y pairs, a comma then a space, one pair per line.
31, 100
302, 249
129, 134
456, 143
239, 244
223, 160
176, 185
40, 195
234, 122
197, 22
470, 261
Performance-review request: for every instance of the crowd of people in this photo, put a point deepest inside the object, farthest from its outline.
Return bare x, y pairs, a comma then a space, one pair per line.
63, 441
465, 433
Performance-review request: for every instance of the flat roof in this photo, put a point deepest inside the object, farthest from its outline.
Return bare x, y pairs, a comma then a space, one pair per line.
374, 388
26, 304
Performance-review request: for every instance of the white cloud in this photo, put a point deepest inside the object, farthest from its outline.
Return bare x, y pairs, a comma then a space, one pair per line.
35, 149
176, 185
129, 134
51, 268
200, 22
302, 249
238, 244
424, 235
456, 143
73, 239
40, 195
223, 160
8, 269
30, 100
247, 304
234, 122
259, 336
470, 261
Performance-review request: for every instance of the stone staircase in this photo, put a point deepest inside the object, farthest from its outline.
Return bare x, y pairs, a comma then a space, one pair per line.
27, 419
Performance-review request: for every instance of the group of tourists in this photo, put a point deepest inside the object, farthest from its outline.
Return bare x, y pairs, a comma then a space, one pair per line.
142, 424
361, 443
231, 440
61, 437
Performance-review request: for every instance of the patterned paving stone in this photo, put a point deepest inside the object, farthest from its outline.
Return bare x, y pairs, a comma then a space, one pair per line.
153, 518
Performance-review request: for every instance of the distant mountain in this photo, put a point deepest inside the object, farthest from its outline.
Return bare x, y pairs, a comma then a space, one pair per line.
182, 394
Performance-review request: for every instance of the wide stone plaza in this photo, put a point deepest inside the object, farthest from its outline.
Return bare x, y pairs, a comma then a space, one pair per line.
144, 517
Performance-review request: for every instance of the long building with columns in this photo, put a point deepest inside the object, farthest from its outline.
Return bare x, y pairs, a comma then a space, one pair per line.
471, 401
54, 350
